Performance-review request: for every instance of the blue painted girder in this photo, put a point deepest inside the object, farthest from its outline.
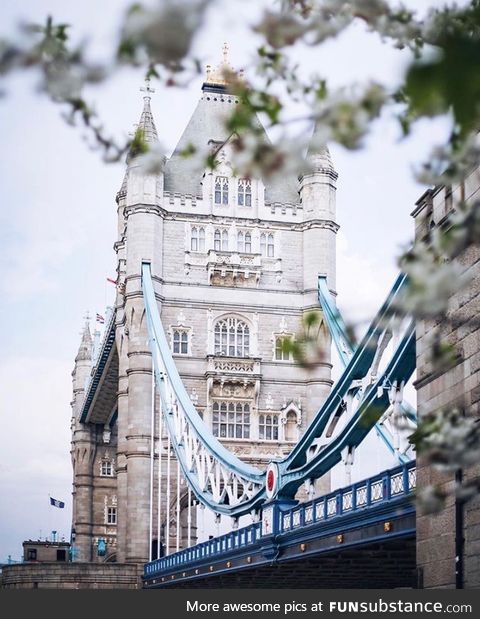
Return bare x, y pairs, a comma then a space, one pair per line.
345, 349
294, 468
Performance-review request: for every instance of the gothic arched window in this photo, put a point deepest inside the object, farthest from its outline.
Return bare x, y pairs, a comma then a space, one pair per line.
220, 240
217, 240
240, 242
232, 338
263, 244
244, 192
201, 239
197, 239
194, 240
270, 246
248, 242
180, 342
224, 240
221, 190
267, 245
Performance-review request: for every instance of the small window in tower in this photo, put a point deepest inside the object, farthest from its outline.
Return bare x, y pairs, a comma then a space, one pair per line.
217, 240
32, 554
270, 246
244, 192
111, 515
231, 419
220, 240
221, 190
268, 427
197, 239
224, 240
240, 242
281, 351
180, 342
194, 240
263, 244
106, 469
201, 239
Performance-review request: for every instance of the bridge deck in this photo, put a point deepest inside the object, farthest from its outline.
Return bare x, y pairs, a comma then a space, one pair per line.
360, 536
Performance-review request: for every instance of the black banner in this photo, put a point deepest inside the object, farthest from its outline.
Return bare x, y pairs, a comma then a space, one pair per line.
286, 603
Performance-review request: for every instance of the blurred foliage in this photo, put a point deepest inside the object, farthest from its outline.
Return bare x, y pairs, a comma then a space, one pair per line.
442, 78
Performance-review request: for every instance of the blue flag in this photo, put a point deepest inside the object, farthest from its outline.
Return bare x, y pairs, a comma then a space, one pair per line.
56, 503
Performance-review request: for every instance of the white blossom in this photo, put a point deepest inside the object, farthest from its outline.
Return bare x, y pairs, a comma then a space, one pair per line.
432, 283
165, 32
153, 161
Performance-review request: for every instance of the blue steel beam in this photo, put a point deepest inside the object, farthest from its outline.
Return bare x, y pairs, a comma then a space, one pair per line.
339, 333
345, 349
357, 368
165, 370
294, 468
371, 409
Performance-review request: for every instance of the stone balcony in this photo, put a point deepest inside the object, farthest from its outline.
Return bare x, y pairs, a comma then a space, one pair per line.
237, 377
230, 267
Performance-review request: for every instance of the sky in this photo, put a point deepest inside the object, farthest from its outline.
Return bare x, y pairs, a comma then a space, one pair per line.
58, 226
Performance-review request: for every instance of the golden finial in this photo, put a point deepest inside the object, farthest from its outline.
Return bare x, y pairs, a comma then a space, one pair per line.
218, 75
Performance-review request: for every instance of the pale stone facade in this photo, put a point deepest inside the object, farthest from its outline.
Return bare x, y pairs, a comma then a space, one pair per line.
460, 386
228, 255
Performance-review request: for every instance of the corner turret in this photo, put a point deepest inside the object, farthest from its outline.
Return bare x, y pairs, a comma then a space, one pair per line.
318, 196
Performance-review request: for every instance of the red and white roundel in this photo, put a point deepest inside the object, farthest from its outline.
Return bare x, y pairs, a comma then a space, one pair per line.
272, 480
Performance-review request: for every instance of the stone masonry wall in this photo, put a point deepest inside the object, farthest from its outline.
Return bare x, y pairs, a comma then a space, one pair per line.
458, 386
71, 576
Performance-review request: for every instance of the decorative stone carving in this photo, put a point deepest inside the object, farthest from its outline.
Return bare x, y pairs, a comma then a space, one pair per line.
106, 435
181, 318
194, 396
227, 268
269, 402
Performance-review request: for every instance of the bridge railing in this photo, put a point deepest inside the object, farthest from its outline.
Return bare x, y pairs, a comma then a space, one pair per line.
234, 540
389, 485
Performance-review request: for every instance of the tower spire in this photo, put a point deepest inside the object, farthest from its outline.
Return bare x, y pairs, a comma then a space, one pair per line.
85, 348
147, 124
318, 156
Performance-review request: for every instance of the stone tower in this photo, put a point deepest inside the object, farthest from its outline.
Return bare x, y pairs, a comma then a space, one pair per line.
235, 263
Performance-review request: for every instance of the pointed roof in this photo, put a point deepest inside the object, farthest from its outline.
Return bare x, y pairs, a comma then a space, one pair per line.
147, 125
206, 127
85, 348
318, 155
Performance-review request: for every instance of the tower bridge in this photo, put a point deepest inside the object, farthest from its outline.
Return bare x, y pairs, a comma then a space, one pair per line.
200, 447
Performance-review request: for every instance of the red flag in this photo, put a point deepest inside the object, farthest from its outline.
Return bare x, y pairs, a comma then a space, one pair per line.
100, 319
112, 281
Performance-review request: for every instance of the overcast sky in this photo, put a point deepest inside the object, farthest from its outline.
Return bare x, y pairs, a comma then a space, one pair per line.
58, 226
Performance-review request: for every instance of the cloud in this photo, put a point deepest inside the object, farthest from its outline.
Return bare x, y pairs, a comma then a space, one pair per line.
44, 240
362, 283
34, 448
